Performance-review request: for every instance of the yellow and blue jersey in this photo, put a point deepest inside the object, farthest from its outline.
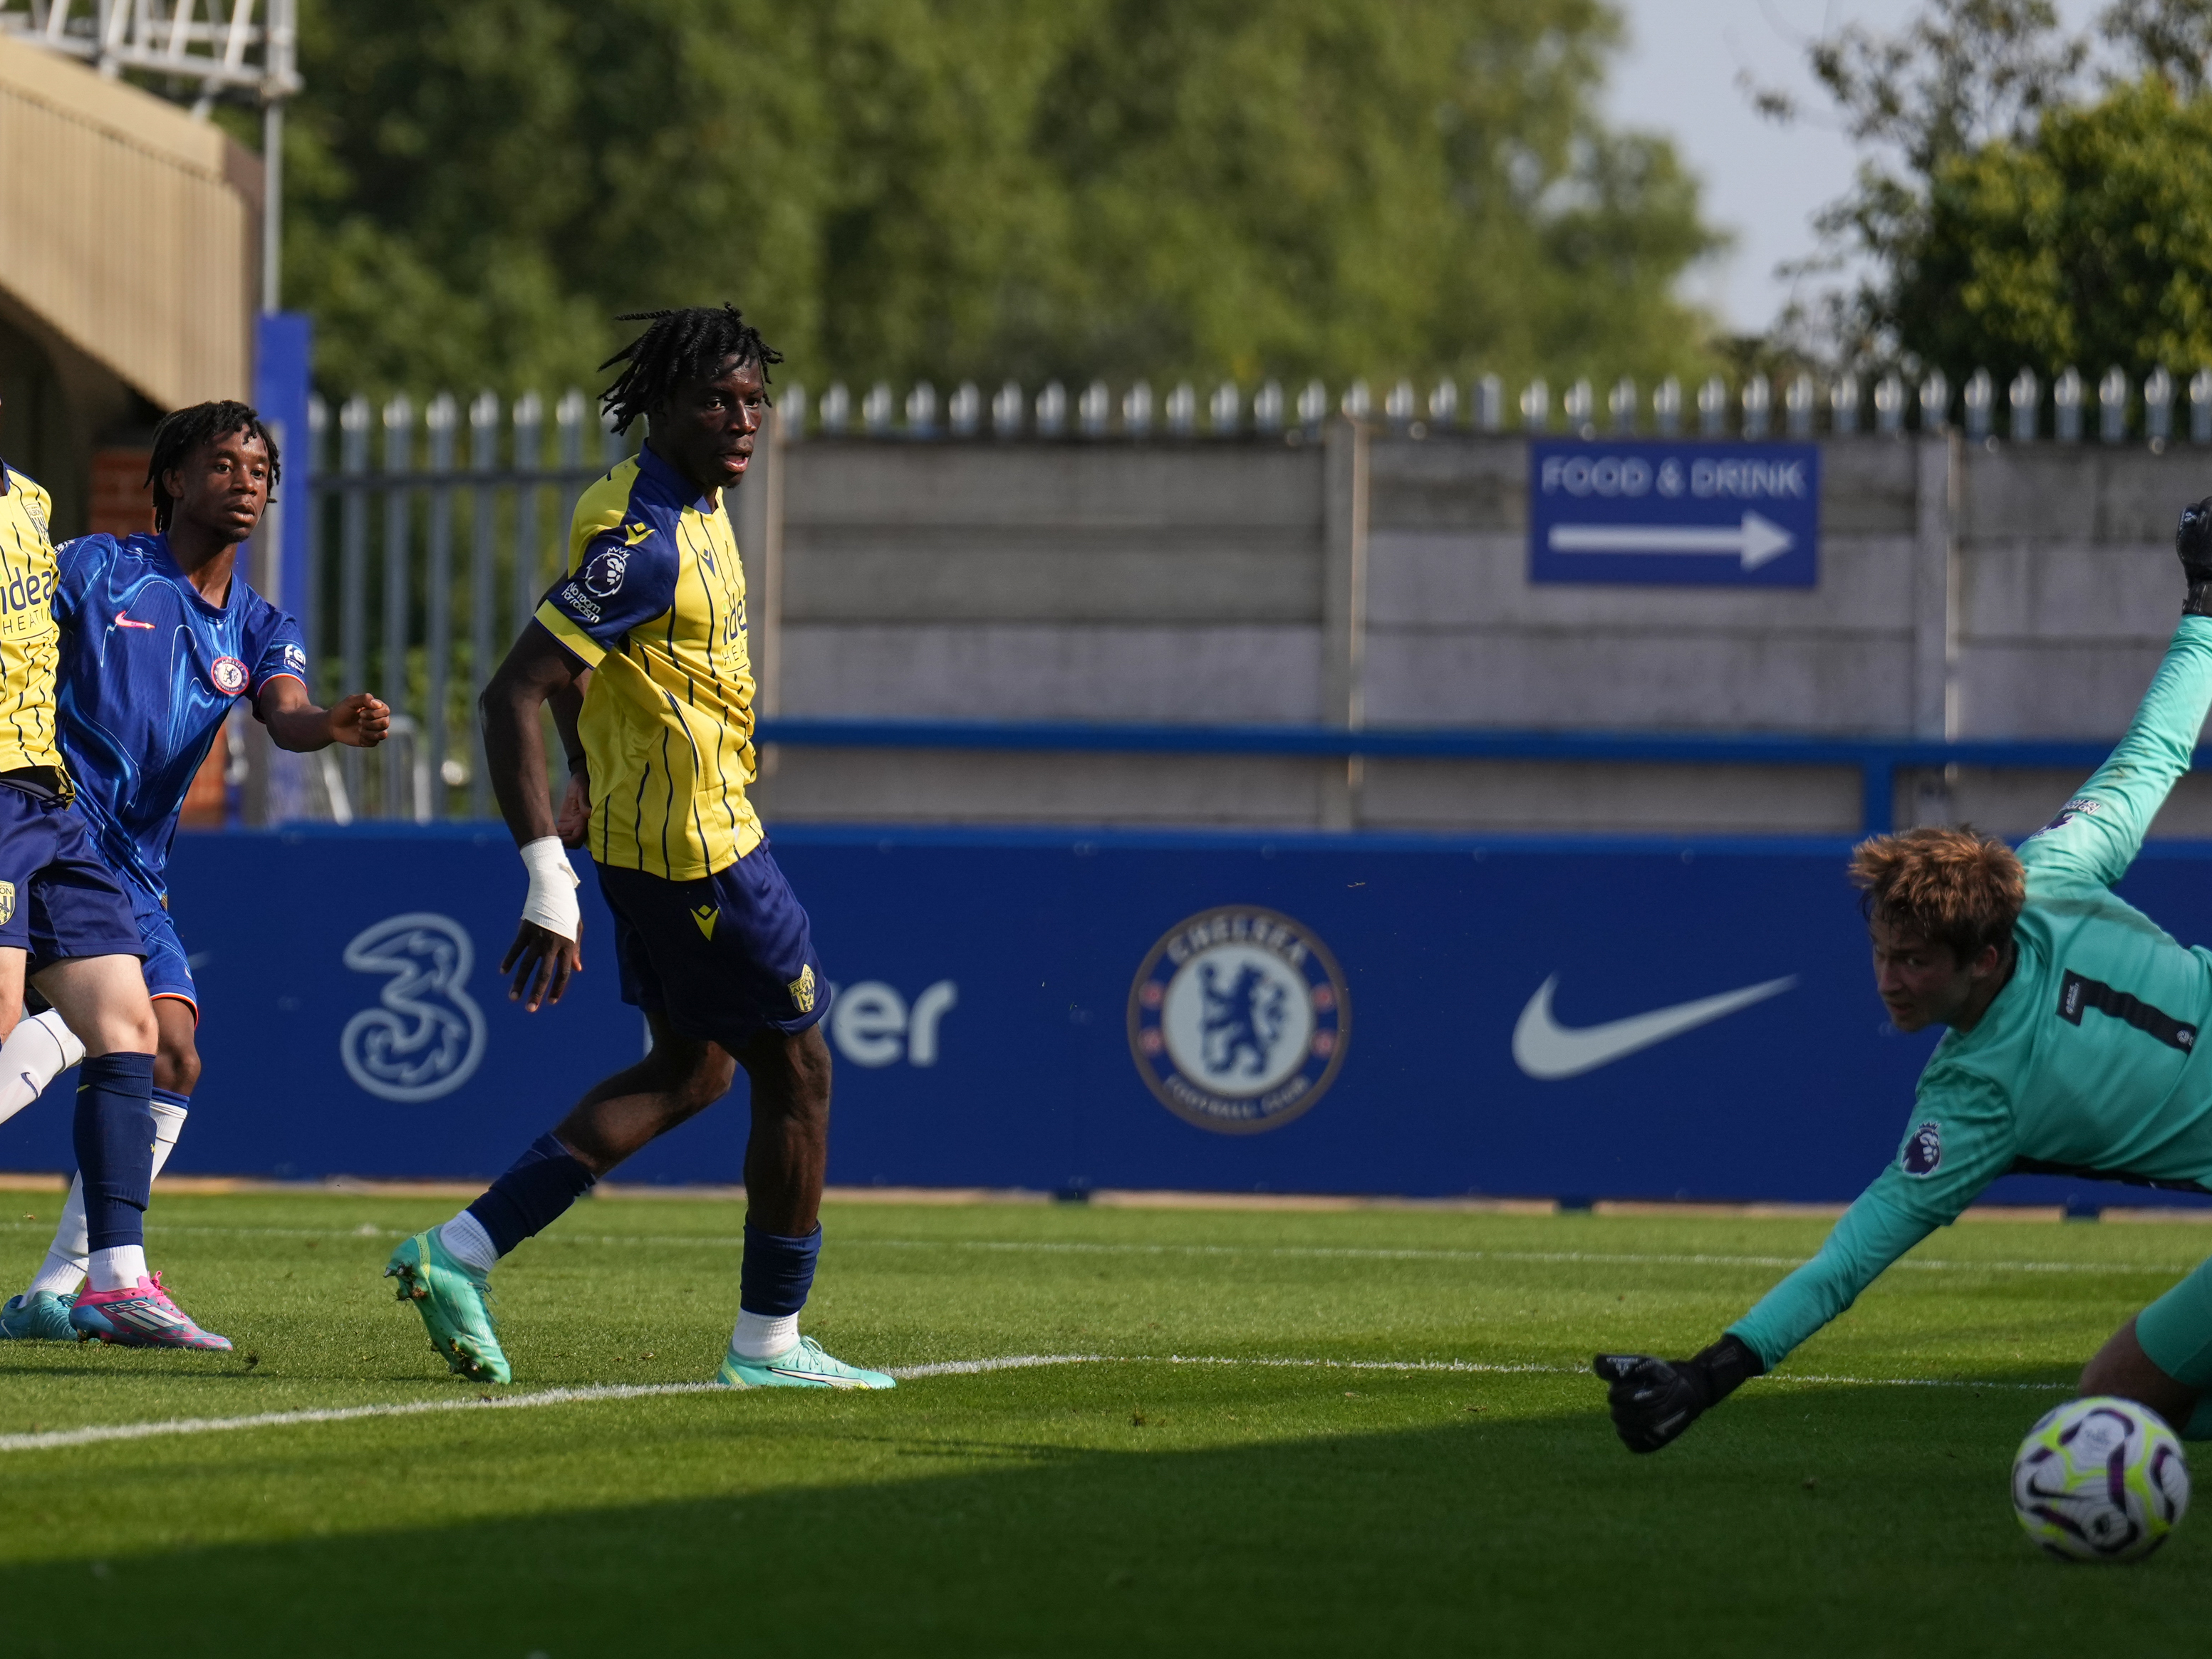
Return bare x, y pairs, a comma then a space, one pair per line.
149, 670
29, 642
654, 601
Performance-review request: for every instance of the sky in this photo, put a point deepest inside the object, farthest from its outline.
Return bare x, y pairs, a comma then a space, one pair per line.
1678, 75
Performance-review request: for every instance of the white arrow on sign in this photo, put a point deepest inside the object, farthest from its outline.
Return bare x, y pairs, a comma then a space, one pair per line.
1755, 541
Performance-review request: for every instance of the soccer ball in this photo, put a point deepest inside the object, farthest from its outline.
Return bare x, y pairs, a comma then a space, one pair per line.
2101, 1479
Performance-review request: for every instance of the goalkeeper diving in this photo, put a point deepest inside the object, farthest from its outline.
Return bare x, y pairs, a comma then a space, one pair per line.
2072, 1049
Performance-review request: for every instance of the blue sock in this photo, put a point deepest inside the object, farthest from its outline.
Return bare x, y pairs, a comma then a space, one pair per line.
114, 1135
777, 1272
537, 1188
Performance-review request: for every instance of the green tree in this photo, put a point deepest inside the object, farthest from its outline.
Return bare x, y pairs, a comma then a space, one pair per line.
957, 188
2028, 196
2089, 243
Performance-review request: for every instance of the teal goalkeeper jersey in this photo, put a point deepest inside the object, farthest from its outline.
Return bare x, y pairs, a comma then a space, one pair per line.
2087, 1061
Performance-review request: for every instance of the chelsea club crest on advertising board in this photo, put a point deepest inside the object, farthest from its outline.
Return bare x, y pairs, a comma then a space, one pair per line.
1239, 1019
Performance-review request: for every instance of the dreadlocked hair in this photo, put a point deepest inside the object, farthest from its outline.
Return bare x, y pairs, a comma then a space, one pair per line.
1955, 887
185, 430
687, 344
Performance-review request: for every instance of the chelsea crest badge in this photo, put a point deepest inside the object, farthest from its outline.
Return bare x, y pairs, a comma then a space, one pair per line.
1238, 1019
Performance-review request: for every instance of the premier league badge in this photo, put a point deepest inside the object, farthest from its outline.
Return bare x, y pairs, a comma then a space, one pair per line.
1238, 1020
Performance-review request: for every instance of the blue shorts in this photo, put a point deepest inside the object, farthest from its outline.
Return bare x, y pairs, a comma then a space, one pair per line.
168, 972
58, 901
722, 959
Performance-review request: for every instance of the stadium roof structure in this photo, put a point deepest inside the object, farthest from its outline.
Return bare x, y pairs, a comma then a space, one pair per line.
109, 196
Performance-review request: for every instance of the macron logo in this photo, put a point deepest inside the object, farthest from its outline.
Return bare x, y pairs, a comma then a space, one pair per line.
1545, 1049
123, 620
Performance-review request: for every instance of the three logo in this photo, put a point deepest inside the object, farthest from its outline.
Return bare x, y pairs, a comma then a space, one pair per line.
426, 1035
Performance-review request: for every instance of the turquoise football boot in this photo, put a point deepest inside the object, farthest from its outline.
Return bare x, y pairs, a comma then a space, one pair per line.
40, 1316
802, 1365
455, 1302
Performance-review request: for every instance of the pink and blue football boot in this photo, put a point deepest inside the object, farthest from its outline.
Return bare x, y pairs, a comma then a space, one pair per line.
141, 1316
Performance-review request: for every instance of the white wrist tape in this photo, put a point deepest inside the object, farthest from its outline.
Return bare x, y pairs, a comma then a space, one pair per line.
551, 902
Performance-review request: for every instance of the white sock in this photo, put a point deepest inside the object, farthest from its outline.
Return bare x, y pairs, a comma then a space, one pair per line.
471, 1246
118, 1267
763, 1336
39, 1050
64, 1267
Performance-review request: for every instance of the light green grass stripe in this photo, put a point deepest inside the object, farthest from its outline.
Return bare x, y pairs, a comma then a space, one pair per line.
57, 1439
1297, 1252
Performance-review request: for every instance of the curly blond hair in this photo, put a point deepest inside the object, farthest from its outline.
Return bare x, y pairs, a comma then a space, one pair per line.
1955, 887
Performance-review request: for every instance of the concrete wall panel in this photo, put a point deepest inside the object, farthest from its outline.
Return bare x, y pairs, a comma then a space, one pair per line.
1093, 673
1534, 795
1617, 680
914, 785
1068, 576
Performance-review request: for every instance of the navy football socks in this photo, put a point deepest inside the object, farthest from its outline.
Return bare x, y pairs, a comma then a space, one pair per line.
537, 1188
114, 1135
777, 1272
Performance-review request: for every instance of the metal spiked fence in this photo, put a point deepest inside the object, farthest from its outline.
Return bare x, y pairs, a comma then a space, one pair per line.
433, 531
1803, 406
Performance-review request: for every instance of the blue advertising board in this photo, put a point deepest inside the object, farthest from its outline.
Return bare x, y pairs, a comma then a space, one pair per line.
1720, 513
1330, 1014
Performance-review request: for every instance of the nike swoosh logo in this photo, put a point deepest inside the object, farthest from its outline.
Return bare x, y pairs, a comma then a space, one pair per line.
123, 620
1545, 1049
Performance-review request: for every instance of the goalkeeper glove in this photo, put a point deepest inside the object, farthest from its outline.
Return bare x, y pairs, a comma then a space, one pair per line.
1654, 1400
2192, 540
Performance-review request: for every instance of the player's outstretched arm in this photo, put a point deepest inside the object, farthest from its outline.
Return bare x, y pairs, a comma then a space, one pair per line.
1961, 1139
2101, 829
547, 946
360, 722
1653, 1399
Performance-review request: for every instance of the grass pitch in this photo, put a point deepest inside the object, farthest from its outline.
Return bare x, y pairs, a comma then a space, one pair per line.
1293, 1433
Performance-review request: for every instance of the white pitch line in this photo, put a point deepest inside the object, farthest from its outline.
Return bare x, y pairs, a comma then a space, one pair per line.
44, 1439
1013, 1362
100, 1434
1318, 1252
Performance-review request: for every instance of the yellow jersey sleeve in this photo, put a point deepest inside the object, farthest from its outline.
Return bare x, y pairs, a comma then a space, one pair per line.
30, 640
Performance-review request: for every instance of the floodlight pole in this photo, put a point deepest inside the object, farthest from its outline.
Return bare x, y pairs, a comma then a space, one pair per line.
272, 204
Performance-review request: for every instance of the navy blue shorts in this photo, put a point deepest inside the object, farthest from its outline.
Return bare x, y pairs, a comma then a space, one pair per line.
722, 959
57, 899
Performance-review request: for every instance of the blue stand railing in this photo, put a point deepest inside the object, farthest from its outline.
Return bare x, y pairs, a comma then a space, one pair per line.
1876, 759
